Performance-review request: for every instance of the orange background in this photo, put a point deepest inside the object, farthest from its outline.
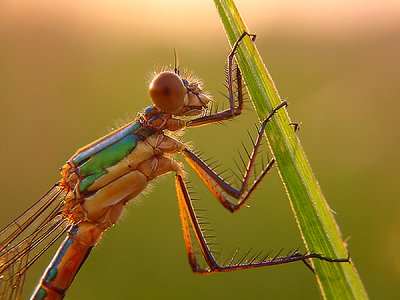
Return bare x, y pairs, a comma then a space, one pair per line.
71, 70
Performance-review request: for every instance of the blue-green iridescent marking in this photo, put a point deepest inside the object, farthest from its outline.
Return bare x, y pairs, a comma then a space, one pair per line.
88, 181
93, 162
149, 110
109, 156
40, 294
107, 141
52, 272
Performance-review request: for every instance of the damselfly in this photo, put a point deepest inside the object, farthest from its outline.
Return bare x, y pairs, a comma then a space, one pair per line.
103, 176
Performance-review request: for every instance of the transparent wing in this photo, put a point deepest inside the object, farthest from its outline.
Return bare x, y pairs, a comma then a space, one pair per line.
25, 239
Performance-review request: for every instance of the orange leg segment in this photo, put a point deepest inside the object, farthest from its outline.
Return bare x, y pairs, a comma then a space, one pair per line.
215, 183
190, 221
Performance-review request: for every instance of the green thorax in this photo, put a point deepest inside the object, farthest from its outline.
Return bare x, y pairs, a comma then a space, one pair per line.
92, 161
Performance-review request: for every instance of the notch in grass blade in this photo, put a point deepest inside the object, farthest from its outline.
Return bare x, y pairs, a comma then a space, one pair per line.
318, 228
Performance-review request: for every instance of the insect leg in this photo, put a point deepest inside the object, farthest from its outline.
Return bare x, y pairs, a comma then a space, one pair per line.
189, 220
215, 183
233, 110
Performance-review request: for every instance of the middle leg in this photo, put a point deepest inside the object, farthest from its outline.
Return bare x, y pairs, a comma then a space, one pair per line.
216, 184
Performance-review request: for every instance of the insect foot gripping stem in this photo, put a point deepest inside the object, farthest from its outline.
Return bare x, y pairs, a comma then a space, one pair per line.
191, 225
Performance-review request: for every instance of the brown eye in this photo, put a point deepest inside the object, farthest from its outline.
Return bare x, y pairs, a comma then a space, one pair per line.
167, 92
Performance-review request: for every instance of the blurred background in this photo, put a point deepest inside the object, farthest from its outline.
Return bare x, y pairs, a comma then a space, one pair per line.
72, 70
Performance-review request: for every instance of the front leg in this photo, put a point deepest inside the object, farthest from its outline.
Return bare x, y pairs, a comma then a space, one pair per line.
233, 110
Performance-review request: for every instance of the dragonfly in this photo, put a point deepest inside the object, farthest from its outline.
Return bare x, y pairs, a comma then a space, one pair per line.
102, 177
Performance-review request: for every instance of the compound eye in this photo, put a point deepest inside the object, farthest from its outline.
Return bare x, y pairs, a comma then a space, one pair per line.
167, 92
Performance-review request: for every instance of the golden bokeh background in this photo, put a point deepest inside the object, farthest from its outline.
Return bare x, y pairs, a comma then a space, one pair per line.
71, 70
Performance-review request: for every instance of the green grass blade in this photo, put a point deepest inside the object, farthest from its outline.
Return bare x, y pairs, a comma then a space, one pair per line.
318, 228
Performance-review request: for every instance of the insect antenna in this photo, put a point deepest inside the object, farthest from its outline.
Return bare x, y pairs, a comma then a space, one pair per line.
176, 63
